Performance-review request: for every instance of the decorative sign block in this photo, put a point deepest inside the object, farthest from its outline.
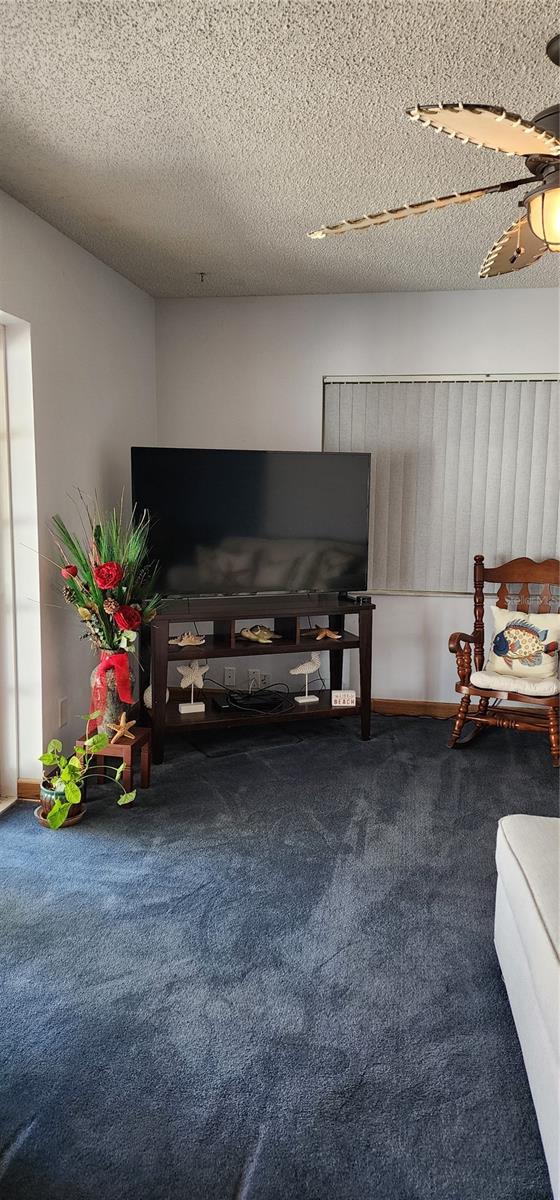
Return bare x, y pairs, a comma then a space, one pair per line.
343, 699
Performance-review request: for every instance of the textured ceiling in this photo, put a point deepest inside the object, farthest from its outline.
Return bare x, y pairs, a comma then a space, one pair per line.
172, 138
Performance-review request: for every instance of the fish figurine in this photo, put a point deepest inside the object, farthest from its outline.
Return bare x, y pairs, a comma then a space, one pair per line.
308, 667
520, 642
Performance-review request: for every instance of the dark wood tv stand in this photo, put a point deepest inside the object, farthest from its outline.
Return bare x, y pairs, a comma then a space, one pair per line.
290, 616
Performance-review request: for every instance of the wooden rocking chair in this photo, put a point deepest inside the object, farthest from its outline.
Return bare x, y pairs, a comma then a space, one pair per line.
542, 717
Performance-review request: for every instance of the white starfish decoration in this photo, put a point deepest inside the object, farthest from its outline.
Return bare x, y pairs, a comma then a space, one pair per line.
192, 674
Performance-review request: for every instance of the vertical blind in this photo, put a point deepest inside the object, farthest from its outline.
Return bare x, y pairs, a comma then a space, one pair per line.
458, 467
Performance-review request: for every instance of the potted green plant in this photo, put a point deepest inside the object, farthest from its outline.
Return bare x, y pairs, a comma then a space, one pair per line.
63, 782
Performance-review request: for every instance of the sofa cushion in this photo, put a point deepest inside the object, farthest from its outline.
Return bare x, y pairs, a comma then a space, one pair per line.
516, 683
527, 858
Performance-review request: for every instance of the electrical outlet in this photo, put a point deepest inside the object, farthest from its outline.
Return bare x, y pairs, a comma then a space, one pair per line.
229, 677
265, 678
254, 678
62, 712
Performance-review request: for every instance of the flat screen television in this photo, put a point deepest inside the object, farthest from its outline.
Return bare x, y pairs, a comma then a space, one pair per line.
233, 522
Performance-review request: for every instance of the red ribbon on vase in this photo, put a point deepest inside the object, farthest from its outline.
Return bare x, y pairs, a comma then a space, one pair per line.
117, 662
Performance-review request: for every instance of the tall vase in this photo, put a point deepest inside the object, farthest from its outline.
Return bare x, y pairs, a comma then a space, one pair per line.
112, 687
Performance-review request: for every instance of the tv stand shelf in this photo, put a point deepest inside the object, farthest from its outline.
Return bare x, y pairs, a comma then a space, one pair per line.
216, 647
213, 718
290, 617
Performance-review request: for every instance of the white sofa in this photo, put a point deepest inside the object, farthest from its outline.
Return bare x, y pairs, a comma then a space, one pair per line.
527, 943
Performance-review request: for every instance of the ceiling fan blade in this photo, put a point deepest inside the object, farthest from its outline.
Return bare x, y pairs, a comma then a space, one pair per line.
484, 125
413, 210
518, 247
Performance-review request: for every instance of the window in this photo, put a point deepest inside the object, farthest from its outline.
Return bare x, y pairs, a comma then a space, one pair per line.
8, 717
459, 467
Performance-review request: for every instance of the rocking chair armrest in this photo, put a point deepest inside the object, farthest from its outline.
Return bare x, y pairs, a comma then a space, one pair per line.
460, 645
456, 639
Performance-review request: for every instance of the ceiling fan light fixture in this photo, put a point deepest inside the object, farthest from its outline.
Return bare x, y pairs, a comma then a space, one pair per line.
553, 49
543, 211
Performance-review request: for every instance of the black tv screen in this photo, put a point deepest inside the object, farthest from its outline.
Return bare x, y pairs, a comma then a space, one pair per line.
231, 522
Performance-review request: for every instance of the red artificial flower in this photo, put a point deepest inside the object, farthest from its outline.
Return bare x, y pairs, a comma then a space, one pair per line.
69, 571
128, 617
107, 575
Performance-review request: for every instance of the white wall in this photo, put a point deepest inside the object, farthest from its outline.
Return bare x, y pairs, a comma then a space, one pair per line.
93, 363
247, 373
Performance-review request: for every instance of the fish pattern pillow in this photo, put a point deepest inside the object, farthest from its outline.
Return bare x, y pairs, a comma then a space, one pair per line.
524, 644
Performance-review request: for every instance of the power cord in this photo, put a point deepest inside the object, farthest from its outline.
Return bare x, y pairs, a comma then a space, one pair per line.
277, 699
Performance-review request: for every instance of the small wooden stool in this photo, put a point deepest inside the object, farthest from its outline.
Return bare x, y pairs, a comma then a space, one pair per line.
125, 750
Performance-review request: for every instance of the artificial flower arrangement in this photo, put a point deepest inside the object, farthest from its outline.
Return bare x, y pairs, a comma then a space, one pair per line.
110, 581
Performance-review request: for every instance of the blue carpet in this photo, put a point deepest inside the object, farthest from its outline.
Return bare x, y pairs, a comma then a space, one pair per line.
272, 978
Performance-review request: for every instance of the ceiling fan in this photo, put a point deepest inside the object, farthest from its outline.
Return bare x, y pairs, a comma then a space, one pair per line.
538, 141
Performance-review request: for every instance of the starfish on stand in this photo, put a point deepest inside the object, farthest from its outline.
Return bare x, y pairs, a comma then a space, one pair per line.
320, 632
192, 674
122, 729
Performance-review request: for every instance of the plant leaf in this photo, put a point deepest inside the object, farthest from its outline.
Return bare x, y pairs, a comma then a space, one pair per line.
101, 740
119, 771
71, 769
58, 814
127, 798
54, 746
97, 742
47, 759
72, 793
